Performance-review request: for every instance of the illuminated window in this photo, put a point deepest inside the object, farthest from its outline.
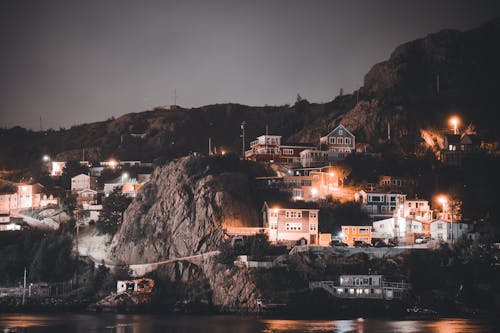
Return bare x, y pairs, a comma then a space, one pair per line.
293, 226
312, 227
293, 214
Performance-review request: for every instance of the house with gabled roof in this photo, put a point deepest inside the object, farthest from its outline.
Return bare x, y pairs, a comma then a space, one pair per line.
339, 140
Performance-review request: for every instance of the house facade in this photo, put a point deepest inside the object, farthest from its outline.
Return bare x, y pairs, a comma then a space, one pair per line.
314, 157
447, 231
363, 287
82, 181
8, 202
417, 209
339, 140
456, 147
403, 229
378, 204
268, 148
352, 233
291, 222
311, 184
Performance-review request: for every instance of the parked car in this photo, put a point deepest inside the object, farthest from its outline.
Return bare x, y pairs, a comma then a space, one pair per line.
361, 244
337, 242
422, 240
380, 243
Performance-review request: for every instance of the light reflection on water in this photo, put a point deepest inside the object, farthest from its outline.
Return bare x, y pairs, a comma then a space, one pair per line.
123, 323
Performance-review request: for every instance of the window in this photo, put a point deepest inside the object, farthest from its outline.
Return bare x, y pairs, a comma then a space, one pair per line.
293, 215
440, 226
347, 141
340, 141
273, 213
293, 226
312, 227
298, 193
287, 151
313, 215
332, 140
341, 132
273, 226
375, 198
363, 230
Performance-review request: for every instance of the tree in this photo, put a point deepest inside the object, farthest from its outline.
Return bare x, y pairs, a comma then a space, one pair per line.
53, 260
342, 172
111, 216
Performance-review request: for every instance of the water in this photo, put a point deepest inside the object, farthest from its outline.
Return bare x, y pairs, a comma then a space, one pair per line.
123, 323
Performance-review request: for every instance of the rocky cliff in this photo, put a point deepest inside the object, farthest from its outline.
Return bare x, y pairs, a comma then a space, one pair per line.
183, 209
181, 212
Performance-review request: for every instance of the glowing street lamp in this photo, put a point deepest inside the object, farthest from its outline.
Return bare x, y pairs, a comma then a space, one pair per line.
46, 158
314, 191
125, 176
443, 201
113, 163
454, 121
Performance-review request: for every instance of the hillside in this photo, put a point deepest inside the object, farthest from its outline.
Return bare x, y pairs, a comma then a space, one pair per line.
401, 91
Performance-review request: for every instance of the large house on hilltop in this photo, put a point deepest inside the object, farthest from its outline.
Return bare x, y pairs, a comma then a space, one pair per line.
339, 140
335, 146
268, 148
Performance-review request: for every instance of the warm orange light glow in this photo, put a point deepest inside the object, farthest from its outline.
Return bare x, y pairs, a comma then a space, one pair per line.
332, 174
223, 152
113, 163
442, 200
454, 121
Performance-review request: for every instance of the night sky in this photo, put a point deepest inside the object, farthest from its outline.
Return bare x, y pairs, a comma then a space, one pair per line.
83, 61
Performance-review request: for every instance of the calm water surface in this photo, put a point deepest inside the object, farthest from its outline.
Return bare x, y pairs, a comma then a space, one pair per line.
122, 323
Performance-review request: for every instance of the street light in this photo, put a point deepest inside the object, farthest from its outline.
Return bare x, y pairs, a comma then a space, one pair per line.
443, 201
454, 121
46, 158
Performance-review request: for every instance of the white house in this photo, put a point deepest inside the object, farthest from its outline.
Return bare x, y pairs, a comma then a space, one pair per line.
379, 204
449, 231
401, 228
83, 181
417, 209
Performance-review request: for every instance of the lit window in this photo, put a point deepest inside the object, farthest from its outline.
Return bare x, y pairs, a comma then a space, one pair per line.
293, 226
293, 215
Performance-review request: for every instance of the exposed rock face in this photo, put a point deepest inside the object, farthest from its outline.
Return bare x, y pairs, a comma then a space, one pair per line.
183, 210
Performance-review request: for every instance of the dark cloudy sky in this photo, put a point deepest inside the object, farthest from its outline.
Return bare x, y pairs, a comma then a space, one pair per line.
82, 61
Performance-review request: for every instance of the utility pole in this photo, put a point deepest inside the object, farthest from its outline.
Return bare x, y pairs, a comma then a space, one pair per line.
175, 98
243, 139
41, 127
24, 287
437, 83
388, 131
209, 146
